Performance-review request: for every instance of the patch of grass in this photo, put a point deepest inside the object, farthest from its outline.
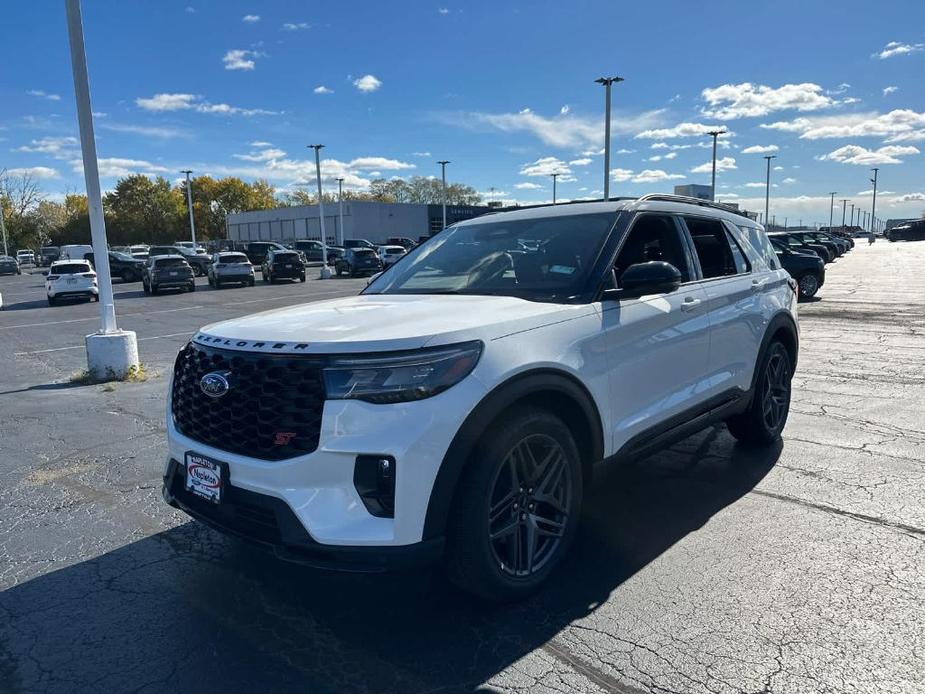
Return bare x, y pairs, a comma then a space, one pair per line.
135, 374
80, 378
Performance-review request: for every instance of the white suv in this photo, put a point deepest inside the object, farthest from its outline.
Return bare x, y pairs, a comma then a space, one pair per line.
70, 279
459, 406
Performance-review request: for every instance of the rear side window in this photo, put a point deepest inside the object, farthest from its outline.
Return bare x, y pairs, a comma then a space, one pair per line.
713, 246
761, 245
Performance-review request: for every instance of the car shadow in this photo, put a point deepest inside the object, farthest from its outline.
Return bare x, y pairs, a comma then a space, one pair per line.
189, 610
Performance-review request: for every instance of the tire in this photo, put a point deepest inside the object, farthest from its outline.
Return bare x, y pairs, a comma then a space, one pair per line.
127, 276
251, 282
218, 284
809, 285
302, 277
501, 569
52, 301
266, 277
145, 287
211, 281
192, 287
154, 289
764, 420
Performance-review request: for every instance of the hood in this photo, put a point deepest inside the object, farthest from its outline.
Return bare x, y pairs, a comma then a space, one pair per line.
377, 322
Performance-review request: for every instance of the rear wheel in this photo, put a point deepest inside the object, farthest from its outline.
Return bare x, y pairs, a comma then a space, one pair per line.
251, 282
302, 277
764, 420
517, 506
52, 301
809, 285
191, 287
154, 289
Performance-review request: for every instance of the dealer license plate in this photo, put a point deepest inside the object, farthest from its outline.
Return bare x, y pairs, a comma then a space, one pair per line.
204, 477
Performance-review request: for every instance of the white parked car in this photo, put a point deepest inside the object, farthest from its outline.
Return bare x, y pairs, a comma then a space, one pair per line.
389, 254
25, 257
74, 252
230, 267
459, 407
71, 279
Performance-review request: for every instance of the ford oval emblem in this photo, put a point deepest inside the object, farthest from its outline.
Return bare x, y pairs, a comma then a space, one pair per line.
215, 384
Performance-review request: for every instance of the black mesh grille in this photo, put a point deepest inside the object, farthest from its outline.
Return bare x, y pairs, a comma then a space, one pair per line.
272, 411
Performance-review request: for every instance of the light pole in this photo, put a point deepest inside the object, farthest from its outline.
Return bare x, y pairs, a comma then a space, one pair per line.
767, 186
608, 83
554, 177
443, 177
189, 205
714, 134
111, 353
3, 231
832, 210
340, 201
873, 204
325, 270
852, 214
844, 203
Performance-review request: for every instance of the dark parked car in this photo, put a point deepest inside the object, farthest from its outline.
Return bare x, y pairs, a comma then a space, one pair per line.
358, 261
283, 265
834, 249
807, 269
122, 265
198, 262
256, 251
48, 255
801, 245
820, 236
9, 265
357, 243
914, 231
311, 250
168, 272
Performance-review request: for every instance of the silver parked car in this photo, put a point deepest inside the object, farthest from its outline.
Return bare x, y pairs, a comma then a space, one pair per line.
230, 267
9, 265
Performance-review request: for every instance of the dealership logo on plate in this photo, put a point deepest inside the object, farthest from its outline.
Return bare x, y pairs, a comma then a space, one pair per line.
215, 384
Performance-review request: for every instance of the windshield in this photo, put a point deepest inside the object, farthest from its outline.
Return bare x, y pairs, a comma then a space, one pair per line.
542, 259
119, 255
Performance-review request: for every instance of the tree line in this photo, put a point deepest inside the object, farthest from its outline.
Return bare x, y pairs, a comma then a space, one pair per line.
141, 209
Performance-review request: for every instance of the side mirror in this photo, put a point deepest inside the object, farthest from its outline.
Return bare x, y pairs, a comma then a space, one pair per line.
654, 277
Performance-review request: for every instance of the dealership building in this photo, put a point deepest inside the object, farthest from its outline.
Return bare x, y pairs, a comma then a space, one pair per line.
373, 221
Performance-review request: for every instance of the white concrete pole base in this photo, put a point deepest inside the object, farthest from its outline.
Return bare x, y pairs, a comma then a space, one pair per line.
326, 272
110, 356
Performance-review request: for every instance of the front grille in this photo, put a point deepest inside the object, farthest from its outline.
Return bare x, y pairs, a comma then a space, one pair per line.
272, 410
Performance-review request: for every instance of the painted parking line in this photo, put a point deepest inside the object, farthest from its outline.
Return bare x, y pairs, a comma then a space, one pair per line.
186, 333
96, 318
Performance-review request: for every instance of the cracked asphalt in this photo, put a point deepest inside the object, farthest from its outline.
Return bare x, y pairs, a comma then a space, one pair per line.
705, 568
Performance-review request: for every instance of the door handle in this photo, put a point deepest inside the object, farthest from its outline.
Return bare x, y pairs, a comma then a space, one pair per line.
757, 285
690, 303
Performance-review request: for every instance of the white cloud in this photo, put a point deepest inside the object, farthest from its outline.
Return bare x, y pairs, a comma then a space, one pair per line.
546, 166
564, 110
781, 168
265, 154
58, 147
722, 164
623, 150
44, 95
443, 10
755, 184
367, 83
117, 167
749, 100
870, 191
789, 181
654, 176
260, 143
565, 131
526, 185
251, 18
34, 172
163, 133
889, 90
908, 197
194, 102
296, 26
238, 59
190, 9
855, 154
321, 89
621, 175
584, 161
898, 48
379, 163
760, 149
660, 157
679, 130
420, 154
899, 125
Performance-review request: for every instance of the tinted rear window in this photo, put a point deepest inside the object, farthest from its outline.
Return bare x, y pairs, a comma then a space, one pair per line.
364, 252
170, 262
285, 257
232, 258
70, 269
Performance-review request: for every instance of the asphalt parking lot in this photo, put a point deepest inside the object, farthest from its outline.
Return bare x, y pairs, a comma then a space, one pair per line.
706, 568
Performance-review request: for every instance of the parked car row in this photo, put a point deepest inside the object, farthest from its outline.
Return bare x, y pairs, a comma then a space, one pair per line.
913, 231
804, 254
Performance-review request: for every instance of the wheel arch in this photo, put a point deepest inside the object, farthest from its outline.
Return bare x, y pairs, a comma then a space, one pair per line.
783, 328
551, 389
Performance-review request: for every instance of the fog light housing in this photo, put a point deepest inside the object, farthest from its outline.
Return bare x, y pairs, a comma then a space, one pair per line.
374, 480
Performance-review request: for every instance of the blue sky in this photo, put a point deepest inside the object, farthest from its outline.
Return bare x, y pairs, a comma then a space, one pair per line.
504, 90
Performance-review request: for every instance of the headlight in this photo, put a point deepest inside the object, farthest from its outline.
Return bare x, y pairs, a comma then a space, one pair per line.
400, 377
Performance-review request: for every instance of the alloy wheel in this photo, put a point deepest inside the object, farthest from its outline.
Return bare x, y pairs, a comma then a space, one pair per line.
530, 504
809, 285
775, 391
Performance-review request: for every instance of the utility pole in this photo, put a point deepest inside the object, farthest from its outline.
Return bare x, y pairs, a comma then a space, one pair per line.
325, 270
714, 134
3, 231
832, 209
608, 83
340, 201
554, 177
873, 204
844, 203
111, 353
767, 188
189, 205
443, 176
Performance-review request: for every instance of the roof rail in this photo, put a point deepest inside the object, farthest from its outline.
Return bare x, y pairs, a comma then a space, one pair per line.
665, 197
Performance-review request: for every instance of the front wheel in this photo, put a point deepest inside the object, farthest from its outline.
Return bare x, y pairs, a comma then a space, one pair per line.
517, 506
764, 420
809, 285
191, 287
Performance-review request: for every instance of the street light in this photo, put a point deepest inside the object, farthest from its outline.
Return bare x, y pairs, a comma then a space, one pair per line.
714, 134
844, 203
554, 177
325, 270
189, 205
873, 204
443, 176
3, 231
852, 214
608, 83
767, 188
832, 210
340, 201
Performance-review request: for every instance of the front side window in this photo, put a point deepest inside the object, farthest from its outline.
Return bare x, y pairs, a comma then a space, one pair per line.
653, 237
712, 245
539, 259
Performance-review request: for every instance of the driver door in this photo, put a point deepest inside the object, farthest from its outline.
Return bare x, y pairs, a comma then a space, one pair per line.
657, 346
